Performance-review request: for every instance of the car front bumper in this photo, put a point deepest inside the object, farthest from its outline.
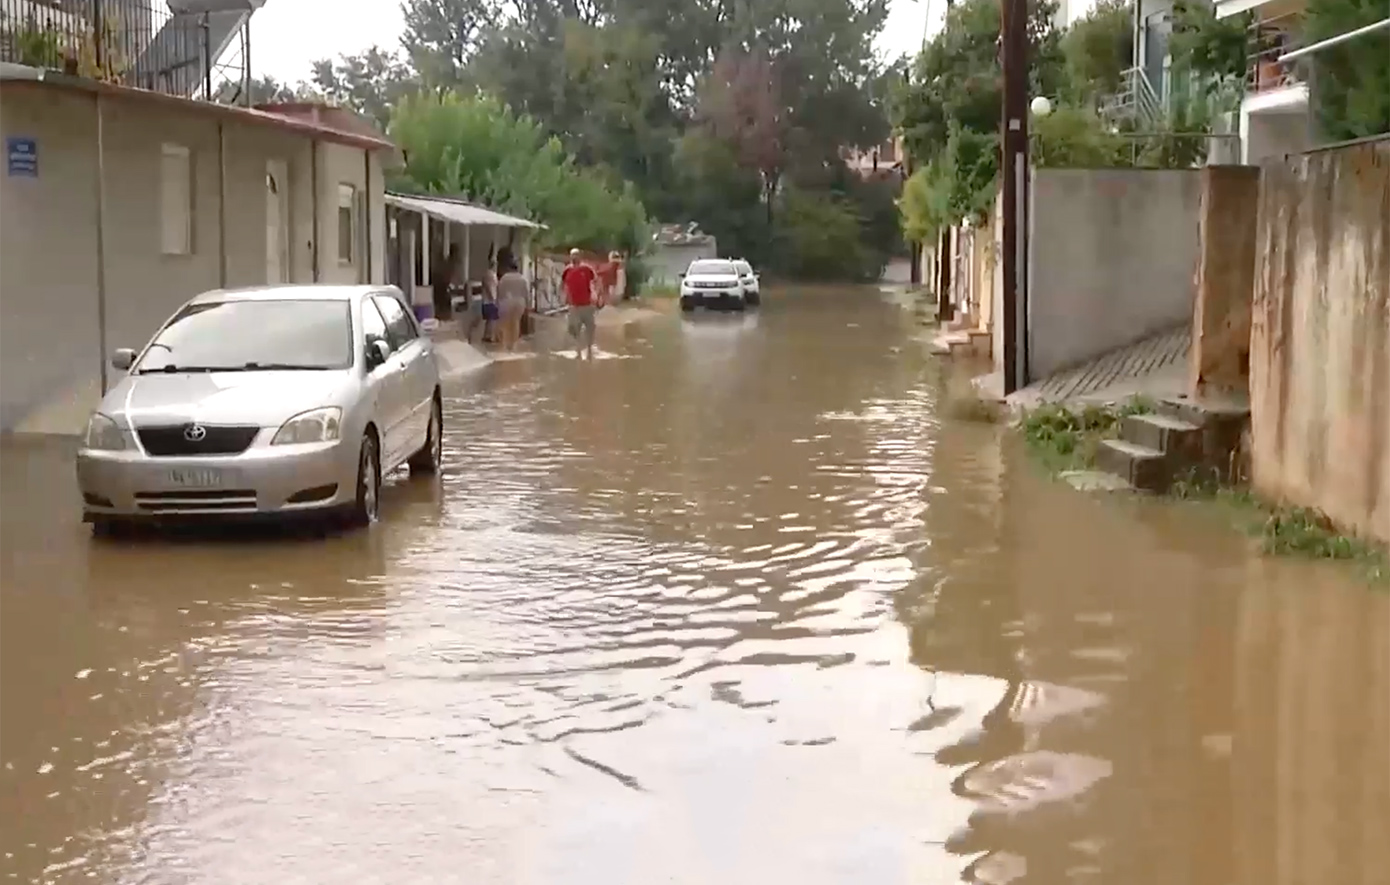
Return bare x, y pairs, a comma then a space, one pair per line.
262, 481
712, 297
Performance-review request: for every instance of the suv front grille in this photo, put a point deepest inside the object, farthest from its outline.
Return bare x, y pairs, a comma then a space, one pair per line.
175, 440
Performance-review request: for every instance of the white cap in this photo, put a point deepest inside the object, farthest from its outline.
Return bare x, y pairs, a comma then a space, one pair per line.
575, 251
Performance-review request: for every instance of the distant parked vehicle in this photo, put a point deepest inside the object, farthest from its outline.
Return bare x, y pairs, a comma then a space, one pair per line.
752, 291
712, 283
281, 401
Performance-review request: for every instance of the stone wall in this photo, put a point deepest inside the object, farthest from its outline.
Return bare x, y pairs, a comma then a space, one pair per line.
1320, 336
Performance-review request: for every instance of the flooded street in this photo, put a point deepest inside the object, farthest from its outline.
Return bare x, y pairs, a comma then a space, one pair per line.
736, 606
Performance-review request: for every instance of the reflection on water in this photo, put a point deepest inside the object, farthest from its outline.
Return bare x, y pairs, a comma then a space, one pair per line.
738, 608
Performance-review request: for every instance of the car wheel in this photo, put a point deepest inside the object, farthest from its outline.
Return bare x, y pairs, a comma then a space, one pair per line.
688, 305
738, 304
367, 507
430, 458
753, 299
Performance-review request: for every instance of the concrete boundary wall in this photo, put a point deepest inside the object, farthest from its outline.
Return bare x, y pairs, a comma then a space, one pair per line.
1220, 354
1112, 260
1320, 336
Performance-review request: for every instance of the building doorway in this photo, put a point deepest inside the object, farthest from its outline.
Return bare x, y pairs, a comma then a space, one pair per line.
277, 228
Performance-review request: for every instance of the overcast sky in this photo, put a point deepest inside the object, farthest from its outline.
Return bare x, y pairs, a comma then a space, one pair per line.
288, 35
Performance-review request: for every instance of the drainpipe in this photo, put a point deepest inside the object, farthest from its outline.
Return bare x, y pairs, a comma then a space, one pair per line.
101, 241
221, 205
314, 186
367, 204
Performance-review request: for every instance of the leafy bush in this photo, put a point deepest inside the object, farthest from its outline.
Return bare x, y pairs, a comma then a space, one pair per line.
476, 148
1352, 80
818, 236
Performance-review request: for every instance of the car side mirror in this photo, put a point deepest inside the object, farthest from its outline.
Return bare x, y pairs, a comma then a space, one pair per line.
680, 276
123, 359
378, 352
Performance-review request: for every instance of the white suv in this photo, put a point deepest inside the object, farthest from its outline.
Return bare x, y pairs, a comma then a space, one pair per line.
749, 278
714, 283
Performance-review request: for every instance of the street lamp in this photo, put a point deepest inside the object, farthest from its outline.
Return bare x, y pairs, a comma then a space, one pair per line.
1040, 106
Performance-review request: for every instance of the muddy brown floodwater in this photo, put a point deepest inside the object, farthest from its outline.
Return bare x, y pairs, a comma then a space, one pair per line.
737, 606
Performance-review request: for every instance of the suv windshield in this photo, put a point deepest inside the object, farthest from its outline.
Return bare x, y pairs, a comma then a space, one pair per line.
712, 267
244, 336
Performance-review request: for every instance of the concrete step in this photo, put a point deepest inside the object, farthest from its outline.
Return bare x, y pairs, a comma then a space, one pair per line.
1172, 436
1142, 467
1204, 412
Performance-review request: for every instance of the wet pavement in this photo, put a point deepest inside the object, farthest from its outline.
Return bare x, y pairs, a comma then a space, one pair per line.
739, 607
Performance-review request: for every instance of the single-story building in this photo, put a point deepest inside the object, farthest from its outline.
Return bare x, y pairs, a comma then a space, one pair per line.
423, 230
118, 204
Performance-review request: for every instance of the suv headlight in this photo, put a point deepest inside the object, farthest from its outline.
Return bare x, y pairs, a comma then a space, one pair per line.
104, 434
318, 425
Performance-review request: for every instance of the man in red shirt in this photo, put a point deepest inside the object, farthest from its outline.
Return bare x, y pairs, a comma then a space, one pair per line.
579, 281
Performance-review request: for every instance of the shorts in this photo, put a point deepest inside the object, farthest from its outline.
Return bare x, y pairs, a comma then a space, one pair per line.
490, 310
581, 318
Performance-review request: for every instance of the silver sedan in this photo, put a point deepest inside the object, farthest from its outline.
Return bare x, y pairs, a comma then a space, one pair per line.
276, 401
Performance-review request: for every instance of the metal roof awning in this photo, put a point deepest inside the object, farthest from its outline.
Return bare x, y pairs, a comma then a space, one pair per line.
457, 211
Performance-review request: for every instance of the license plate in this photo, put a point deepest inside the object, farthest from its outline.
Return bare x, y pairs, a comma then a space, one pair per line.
196, 478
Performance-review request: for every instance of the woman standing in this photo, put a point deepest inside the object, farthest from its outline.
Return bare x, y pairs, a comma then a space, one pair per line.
512, 290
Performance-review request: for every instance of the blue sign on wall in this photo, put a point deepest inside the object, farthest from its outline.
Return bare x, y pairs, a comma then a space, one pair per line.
22, 157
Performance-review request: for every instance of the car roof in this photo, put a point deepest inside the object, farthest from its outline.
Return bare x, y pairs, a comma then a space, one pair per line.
314, 292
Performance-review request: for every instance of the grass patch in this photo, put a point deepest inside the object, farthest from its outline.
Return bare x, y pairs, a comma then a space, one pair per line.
1066, 439
1287, 531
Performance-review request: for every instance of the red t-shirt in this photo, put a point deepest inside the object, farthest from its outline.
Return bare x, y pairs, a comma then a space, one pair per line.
578, 280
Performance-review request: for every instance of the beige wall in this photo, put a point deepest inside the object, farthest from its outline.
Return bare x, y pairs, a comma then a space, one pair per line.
49, 330
1320, 336
1112, 259
1219, 362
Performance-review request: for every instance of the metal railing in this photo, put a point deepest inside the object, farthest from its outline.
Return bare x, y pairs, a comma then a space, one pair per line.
1270, 39
1136, 100
137, 43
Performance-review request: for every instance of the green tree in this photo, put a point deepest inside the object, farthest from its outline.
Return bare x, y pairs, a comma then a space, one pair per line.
951, 111
442, 37
1351, 80
1209, 47
818, 237
1099, 48
372, 83
475, 148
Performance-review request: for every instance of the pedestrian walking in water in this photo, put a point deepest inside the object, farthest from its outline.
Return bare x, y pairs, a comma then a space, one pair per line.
512, 290
490, 311
579, 282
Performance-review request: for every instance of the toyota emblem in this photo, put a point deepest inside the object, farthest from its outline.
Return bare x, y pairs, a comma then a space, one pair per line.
195, 432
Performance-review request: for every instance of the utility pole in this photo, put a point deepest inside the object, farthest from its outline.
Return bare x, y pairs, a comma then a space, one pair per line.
1013, 45
914, 248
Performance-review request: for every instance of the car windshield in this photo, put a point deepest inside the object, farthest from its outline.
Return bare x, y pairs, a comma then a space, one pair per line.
712, 267
248, 336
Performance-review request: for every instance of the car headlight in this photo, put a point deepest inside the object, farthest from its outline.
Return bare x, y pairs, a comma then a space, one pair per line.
319, 425
104, 434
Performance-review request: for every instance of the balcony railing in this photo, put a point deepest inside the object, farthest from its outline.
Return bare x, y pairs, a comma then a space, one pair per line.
136, 43
1269, 39
1136, 100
